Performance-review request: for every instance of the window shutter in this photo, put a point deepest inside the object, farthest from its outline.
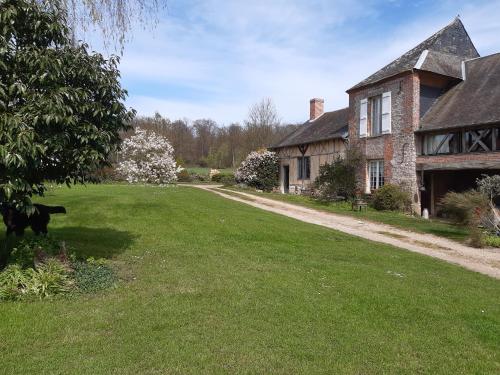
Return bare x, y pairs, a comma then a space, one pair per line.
386, 112
363, 118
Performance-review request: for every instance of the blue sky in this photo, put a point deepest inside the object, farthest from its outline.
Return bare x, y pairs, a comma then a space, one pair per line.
214, 58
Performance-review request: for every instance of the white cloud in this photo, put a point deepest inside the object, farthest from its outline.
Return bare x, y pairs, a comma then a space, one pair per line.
224, 56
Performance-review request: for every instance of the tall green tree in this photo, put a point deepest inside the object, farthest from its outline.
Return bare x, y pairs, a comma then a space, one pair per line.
61, 107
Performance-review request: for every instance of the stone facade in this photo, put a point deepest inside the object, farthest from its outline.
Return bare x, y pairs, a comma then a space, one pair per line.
397, 148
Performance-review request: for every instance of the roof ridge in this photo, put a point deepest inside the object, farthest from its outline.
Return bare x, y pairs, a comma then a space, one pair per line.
482, 57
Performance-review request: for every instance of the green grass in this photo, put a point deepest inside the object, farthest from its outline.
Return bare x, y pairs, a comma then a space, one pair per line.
212, 286
397, 219
206, 171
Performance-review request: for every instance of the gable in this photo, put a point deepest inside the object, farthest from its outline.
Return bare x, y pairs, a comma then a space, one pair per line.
451, 40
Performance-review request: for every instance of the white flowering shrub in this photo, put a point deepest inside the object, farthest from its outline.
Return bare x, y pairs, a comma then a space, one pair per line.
259, 170
147, 158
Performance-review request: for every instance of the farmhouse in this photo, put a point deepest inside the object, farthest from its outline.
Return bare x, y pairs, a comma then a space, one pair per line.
428, 121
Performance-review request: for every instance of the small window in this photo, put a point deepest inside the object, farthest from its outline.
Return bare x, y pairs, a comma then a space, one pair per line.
376, 115
304, 168
376, 174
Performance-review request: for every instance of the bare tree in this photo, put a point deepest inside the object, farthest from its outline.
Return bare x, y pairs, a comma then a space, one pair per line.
262, 119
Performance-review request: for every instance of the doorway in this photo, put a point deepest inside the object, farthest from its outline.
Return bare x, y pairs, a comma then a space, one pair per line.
286, 179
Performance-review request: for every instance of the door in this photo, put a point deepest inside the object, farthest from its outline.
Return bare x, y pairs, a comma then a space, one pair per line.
286, 179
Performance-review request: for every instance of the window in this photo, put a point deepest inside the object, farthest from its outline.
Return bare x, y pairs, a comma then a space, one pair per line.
304, 168
376, 115
376, 174
435, 144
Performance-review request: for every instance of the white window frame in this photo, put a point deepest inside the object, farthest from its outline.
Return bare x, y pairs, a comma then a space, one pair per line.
375, 167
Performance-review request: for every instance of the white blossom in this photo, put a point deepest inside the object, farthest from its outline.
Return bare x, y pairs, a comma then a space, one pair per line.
147, 158
259, 169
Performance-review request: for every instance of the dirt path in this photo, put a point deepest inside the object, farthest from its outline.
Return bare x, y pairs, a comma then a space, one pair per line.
486, 261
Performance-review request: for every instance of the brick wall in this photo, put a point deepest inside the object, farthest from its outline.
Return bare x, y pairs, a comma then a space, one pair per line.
398, 149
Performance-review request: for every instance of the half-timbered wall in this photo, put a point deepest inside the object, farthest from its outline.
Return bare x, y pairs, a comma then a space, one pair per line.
319, 153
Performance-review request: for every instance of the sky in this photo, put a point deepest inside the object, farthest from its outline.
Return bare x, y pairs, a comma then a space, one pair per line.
215, 58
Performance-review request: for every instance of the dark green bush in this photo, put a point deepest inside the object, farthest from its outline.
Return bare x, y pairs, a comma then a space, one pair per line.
338, 180
390, 198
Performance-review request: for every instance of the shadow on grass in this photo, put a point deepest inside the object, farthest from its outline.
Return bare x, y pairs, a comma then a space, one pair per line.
84, 242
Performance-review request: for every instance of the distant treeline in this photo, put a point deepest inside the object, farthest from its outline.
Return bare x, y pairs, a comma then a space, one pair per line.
204, 143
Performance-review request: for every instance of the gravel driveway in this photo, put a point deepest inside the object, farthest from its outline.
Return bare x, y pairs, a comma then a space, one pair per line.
486, 261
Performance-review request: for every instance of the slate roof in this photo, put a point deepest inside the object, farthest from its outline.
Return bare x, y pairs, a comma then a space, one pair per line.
443, 63
474, 101
452, 40
330, 125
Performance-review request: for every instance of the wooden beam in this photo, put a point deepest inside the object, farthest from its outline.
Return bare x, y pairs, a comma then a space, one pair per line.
469, 164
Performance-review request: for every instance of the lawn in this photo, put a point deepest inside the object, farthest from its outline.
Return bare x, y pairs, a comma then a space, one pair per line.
211, 286
397, 219
206, 171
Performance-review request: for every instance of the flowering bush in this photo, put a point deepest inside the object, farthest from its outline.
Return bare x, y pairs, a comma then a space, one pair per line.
148, 158
259, 169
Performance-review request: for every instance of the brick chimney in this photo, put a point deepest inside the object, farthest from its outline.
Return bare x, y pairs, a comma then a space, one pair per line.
315, 108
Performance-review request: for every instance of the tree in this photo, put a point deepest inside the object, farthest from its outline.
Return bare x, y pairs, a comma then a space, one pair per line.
61, 107
262, 120
147, 157
114, 18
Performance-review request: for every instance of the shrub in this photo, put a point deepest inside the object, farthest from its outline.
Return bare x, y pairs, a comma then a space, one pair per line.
184, 176
259, 170
492, 241
489, 186
46, 280
28, 249
390, 198
470, 209
147, 157
337, 180
40, 268
224, 178
228, 180
464, 208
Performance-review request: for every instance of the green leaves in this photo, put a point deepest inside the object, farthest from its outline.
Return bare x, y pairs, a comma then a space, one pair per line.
61, 108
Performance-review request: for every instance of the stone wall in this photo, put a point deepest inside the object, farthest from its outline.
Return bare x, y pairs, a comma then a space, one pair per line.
397, 149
